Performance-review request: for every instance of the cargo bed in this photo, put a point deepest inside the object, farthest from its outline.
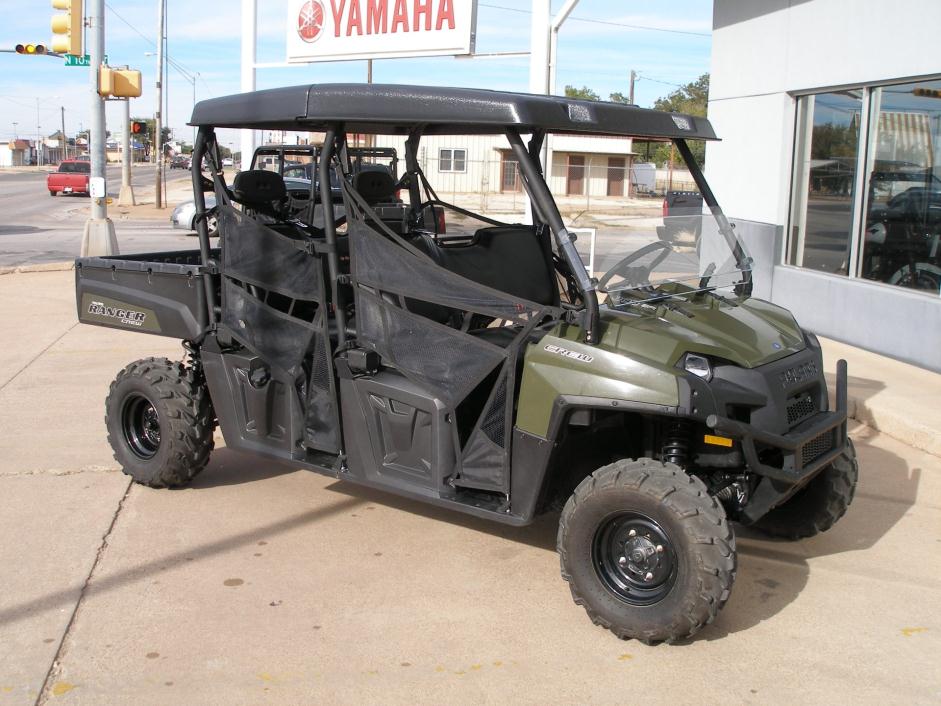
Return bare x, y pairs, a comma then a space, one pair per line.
158, 293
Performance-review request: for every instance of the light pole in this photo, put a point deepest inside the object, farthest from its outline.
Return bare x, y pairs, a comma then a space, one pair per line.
99, 237
158, 117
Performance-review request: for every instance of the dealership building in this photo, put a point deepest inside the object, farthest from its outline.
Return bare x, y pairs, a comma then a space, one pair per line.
830, 117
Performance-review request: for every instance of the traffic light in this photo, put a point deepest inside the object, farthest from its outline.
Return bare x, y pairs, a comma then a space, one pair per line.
119, 83
30, 48
138, 127
67, 27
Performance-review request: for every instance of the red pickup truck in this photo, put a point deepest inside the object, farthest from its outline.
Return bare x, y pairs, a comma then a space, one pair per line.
71, 178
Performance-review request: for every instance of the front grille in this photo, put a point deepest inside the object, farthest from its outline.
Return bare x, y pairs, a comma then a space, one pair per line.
816, 447
799, 408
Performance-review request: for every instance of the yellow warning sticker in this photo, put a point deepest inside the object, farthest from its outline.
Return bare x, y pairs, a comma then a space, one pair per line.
717, 440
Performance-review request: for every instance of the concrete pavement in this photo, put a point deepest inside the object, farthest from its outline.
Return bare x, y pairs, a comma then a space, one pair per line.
265, 584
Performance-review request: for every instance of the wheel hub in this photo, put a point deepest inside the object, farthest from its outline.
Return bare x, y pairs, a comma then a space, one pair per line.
634, 558
640, 556
141, 425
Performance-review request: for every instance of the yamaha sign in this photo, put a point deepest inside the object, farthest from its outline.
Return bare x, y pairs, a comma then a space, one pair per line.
336, 30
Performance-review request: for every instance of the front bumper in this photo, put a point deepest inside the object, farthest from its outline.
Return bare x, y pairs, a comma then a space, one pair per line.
804, 450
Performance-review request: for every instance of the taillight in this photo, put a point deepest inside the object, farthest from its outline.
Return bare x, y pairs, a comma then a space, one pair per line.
442, 227
666, 208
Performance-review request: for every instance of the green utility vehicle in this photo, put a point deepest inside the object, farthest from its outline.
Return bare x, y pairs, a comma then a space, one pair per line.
412, 345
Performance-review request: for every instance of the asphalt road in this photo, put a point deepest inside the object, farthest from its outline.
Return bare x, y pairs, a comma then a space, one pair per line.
36, 227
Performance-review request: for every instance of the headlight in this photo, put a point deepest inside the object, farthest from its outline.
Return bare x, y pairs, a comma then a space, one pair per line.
698, 365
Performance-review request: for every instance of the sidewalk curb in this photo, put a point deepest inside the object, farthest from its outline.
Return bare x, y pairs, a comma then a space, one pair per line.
890, 423
43, 267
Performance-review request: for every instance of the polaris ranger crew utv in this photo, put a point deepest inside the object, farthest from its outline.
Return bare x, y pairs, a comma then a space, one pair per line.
452, 358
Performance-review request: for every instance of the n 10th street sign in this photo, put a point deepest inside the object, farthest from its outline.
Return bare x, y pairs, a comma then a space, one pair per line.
72, 60
334, 30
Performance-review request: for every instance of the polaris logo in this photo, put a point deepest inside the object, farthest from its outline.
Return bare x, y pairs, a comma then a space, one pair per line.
566, 353
125, 316
798, 374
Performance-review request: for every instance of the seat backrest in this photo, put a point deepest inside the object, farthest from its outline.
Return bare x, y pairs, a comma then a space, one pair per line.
507, 258
259, 190
374, 185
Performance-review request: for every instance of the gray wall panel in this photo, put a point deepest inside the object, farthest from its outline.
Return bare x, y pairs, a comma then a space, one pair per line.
880, 318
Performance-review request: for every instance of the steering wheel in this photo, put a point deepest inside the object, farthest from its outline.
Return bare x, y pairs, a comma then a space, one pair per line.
637, 275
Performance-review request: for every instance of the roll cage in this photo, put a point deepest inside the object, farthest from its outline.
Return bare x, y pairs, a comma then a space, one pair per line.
341, 109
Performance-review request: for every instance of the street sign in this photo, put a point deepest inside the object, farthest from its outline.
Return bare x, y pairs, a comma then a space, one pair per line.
72, 60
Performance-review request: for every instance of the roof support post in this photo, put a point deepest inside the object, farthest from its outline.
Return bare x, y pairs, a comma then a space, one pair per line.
330, 230
545, 207
412, 166
205, 136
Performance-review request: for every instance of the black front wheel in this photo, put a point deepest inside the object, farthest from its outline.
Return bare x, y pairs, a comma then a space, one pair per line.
646, 550
160, 422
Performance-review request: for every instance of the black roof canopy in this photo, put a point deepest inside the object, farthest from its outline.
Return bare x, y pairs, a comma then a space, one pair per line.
395, 109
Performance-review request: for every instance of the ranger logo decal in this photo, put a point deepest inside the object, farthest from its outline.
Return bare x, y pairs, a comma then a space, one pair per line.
125, 316
566, 353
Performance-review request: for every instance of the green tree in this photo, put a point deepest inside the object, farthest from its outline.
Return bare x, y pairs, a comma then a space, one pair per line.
692, 99
619, 97
583, 93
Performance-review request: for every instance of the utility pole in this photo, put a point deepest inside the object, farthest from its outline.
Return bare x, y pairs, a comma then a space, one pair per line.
158, 122
65, 142
126, 198
98, 237
249, 56
631, 94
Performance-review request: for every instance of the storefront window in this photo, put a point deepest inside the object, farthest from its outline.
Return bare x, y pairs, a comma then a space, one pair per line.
902, 240
825, 180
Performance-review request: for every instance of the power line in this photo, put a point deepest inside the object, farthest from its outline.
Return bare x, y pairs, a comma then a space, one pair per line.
170, 60
612, 23
657, 80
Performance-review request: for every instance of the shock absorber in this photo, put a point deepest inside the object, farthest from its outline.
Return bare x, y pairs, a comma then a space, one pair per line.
675, 446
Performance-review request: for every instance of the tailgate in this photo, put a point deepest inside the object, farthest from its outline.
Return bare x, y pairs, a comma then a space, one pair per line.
157, 293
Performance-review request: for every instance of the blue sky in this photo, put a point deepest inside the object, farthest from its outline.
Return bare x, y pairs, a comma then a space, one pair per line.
598, 46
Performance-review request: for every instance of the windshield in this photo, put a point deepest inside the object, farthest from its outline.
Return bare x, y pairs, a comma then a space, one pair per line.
75, 168
644, 260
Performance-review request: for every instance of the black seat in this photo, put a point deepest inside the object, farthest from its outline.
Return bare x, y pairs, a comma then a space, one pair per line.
375, 186
506, 258
262, 191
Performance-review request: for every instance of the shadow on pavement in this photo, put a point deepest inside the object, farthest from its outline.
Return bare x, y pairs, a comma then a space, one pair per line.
109, 582
230, 467
772, 573
21, 230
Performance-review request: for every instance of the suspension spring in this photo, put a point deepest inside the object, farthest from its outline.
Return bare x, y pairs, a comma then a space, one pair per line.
192, 359
675, 446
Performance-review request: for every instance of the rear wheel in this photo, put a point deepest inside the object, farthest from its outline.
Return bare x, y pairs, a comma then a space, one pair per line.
646, 550
160, 422
51, 192
817, 506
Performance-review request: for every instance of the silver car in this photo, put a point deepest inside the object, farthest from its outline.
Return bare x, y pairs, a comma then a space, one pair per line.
184, 216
